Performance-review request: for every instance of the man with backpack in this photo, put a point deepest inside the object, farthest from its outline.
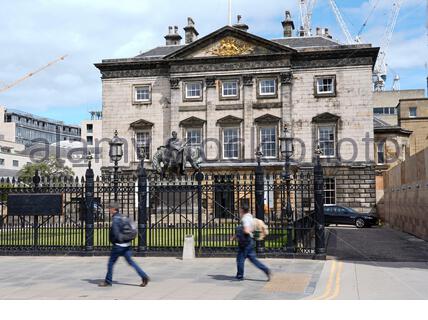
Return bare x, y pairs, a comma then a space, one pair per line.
245, 237
122, 232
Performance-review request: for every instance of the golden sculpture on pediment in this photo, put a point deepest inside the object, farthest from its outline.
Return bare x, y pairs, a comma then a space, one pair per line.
231, 47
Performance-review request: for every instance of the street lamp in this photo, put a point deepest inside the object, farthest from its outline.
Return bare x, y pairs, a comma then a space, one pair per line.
287, 150
116, 154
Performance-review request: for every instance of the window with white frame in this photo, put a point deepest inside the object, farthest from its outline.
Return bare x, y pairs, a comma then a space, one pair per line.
413, 112
143, 139
1, 162
325, 85
142, 93
193, 90
268, 141
194, 137
15, 163
327, 140
229, 88
381, 152
231, 143
267, 87
329, 191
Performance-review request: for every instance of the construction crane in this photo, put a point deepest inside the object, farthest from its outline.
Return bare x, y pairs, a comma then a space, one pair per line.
342, 23
29, 75
306, 9
380, 69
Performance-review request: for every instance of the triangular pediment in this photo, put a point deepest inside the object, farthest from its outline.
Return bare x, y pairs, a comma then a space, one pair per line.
192, 122
229, 120
141, 124
229, 42
326, 117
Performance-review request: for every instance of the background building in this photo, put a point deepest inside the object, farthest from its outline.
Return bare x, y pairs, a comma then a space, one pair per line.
27, 129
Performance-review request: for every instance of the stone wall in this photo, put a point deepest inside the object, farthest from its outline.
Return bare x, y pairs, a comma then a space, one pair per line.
405, 202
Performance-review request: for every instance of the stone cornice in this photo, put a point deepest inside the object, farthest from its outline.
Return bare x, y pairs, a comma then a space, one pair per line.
126, 68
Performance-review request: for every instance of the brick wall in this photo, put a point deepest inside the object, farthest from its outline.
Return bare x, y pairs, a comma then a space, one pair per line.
405, 200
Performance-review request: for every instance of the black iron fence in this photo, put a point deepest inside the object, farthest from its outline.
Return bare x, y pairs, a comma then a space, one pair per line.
204, 205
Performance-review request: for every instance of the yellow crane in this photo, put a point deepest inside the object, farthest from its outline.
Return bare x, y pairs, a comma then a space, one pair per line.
29, 75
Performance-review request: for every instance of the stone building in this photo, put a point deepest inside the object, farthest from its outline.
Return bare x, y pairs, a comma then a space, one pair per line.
413, 116
231, 91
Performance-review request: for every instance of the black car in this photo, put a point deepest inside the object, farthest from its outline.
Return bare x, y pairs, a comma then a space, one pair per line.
343, 215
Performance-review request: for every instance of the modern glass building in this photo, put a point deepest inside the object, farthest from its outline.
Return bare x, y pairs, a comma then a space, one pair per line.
31, 129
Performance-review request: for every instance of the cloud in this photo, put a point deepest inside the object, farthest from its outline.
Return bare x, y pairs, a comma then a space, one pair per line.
38, 31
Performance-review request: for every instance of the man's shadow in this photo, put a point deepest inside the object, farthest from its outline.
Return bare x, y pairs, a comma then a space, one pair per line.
98, 281
222, 277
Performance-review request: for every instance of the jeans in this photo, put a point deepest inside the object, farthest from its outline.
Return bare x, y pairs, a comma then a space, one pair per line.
248, 252
125, 252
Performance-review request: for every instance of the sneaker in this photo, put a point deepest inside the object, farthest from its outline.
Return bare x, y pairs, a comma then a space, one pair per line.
239, 278
269, 275
104, 284
145, 282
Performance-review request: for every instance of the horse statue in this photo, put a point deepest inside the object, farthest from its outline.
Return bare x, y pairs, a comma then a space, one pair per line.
170, 160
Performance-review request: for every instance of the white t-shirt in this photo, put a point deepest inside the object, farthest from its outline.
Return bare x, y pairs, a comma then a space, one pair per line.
247, 221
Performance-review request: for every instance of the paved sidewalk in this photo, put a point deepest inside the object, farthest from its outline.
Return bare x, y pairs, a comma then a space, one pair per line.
211, 278
363, 264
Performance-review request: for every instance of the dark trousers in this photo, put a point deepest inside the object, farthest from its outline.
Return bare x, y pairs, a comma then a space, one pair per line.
125, 252
245, 252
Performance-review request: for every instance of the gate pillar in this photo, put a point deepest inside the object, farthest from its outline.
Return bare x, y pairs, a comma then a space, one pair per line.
319, 218
89, 201
142, 208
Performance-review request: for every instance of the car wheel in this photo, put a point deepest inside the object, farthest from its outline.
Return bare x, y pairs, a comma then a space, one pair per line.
360, 223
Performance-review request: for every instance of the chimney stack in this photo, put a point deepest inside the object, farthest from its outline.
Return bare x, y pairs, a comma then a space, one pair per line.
241, 26
190, 31
288, 25
173, 38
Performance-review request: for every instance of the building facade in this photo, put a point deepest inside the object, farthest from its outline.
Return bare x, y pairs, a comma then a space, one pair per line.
28, 129
231, 92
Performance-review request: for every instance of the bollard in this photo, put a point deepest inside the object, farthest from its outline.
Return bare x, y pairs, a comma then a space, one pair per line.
189, 248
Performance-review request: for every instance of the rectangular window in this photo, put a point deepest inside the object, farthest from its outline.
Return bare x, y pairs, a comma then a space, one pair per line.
268, 142
413, 112
143, 144
89, 128
90, 140
330, 191
231, 143
142, 94
229, 88
194, 137
327, 140
193, 90
15, 163
381, 152
1, 162
267, 87
325, 85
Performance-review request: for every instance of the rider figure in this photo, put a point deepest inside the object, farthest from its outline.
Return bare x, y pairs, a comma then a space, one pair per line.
175, 146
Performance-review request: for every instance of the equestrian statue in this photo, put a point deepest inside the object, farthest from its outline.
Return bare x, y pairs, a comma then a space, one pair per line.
170, 160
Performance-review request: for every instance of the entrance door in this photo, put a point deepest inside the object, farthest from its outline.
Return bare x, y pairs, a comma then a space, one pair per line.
224, 198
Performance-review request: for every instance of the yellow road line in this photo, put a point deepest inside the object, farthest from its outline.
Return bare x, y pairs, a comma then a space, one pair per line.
329, 282
337, 284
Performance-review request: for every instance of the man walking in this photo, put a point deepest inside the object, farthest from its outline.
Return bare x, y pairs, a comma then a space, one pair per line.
246, 243
120, 248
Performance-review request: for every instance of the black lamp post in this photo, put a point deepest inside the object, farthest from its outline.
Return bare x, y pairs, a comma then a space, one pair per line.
287, 150
116, 154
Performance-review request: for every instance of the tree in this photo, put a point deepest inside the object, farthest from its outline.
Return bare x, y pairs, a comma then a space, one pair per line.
52, 168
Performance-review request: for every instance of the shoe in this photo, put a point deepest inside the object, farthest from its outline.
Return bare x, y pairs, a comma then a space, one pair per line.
145, 282
239, 278
269, 275
104, 284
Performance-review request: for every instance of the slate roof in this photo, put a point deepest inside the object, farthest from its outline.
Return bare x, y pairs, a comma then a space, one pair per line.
307, 42
159, 52
294, 42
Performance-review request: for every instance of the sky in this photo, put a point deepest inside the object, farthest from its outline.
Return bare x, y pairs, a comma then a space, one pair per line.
35, 32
